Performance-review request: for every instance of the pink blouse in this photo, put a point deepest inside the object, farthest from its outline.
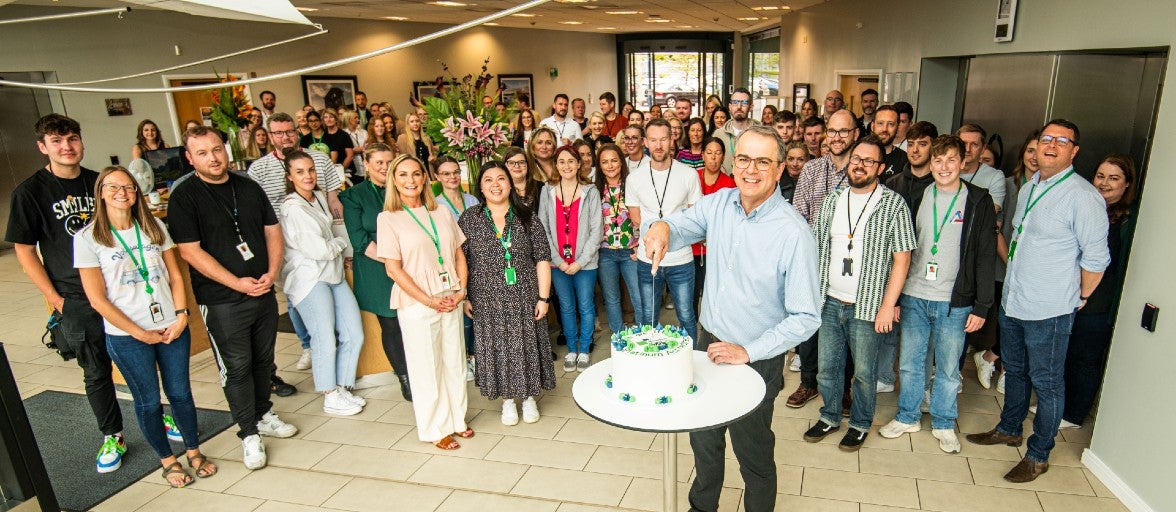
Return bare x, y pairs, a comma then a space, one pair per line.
567, 225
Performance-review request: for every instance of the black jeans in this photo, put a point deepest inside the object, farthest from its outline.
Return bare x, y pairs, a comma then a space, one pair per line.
753, 443
243, 335
807, 350
1086, 361
393, 343
85, 333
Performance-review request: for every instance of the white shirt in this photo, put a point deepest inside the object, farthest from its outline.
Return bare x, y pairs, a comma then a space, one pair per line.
124, 284
312, 251
633, 164
845, 287
565, 129
677, 187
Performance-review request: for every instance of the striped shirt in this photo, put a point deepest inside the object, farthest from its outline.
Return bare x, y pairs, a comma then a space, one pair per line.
818, 179
888, 230
270, 172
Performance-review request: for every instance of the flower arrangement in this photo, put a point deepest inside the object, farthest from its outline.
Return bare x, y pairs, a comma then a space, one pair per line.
230, 112
463, 127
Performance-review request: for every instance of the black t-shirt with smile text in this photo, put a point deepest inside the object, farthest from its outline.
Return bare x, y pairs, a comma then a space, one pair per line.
47, 211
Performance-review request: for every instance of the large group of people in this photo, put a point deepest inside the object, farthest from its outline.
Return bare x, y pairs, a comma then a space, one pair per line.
871, 247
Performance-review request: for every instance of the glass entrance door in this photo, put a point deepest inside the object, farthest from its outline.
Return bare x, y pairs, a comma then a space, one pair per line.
660, 72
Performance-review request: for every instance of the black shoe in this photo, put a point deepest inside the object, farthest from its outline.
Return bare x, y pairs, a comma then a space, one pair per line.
279, 386
561, 340
405, 389
853, 440
591, 346
819, 431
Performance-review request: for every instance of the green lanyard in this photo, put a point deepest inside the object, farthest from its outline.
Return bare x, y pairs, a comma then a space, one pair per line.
433, 236
141, 263
1029, 204
504, 236
451, 206
937, 229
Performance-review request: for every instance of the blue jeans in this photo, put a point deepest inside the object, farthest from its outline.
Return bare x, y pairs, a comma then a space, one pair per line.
137, 362
1034, 354
839, 331
299, 326
330, 311
887, 353
577, 294
680, 280
921, 320
615, 264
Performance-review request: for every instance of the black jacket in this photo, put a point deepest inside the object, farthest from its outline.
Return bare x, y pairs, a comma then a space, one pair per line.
976, 281
910, 187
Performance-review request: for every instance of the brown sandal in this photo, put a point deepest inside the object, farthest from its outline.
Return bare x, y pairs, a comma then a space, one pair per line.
176, 469
203, 467
447, 443
468, 433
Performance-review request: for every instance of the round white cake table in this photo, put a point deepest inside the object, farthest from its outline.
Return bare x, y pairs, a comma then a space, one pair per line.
726, 394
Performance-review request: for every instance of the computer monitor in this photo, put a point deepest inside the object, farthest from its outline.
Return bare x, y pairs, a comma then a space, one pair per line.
168, 164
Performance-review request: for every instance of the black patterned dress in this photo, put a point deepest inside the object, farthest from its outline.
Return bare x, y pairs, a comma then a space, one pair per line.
512, 349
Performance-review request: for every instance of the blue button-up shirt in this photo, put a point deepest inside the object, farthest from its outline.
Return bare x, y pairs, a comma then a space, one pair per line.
1064, 233
761, 271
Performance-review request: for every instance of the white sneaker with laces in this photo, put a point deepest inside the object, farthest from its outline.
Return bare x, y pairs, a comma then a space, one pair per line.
470, 369
1066, 424
948, 441
273, 426
795, 366
984, 369
353, 398
1000, 383
570, 362
335, 403
254, 452
304, 360
510, 415
897, 428
530, 410
885, 388
583, 361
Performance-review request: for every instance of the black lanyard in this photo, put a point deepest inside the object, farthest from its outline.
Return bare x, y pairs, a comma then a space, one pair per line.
87, 188
660, 199
233, 212
308, 201
854, 225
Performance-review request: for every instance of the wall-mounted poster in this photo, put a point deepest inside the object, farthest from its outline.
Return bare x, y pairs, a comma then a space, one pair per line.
321, 91
514, 86
800, 92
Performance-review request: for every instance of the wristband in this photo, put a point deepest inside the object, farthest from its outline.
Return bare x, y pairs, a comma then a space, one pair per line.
184, 311
1084, 298
545, 299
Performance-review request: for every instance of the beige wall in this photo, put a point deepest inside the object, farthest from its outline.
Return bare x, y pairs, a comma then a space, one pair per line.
99, 47
1137, 403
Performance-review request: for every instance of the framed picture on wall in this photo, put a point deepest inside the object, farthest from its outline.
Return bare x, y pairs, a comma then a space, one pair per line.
800, 92
118, 107
512, 86
334, 91
425, 89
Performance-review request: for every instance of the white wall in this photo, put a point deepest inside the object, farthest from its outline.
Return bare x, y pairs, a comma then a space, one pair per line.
1137, 406
100, 47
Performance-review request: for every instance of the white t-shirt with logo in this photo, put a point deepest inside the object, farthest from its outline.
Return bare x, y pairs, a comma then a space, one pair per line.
677, 187
124, 284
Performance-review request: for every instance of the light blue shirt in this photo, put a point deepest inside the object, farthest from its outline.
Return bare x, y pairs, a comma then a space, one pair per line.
761, 271
1065, 233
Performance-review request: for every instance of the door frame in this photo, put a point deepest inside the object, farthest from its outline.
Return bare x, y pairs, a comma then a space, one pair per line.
171, 101
839, 73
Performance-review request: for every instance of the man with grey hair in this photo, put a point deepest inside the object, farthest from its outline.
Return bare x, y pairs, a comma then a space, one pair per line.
759, 226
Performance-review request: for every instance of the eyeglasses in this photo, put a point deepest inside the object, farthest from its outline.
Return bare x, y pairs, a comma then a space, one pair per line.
287, 133
449, 174
761, 164
630, 139
840, 133
112, 188
740, 102
1045, 140
516, 163
868, 162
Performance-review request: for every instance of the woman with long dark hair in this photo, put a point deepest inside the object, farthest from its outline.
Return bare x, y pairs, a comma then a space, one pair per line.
718, 118
523, 127
523, 175
691, 152
618, 244
147, 138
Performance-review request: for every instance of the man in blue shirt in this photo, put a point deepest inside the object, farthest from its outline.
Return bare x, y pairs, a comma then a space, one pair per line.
1056, 258
768, 266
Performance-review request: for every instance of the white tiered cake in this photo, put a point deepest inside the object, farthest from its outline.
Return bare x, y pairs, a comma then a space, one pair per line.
652, 365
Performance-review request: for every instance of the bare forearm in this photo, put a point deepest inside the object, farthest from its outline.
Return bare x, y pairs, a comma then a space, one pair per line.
274, 247
179, 293
31, 263
95, 286
543, 271
204, 263
898, 274
1090, 281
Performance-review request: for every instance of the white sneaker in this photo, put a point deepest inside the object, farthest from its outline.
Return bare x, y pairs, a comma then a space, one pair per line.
531, 409
897, 428
254, 452
570, 362
1066, 424
926, 405
355, 399
510, 415
984, 369
273, 426
948, 441
470, 369
885, 388
303, 361
1000, 383
335, 403
1033, 409
795, 366
582, 362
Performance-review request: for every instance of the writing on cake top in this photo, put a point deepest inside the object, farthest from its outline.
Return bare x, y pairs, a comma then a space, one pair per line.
649, 340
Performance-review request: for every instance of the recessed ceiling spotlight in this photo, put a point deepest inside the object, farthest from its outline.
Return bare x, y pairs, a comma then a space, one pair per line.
753, 18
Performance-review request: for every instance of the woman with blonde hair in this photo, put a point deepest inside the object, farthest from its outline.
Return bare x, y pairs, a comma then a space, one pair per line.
596, 136
131, 275
421, 248
542, 151
378, 133
259, 143
414, 141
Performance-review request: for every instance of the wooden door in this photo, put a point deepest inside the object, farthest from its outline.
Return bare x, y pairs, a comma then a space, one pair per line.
852, 87
189, 103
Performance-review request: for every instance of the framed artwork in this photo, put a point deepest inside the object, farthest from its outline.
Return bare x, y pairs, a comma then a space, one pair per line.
513, 86
800, 92
334, 91
422, 90
118, 107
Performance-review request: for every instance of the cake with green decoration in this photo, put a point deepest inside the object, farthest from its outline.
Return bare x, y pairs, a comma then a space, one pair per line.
651, 365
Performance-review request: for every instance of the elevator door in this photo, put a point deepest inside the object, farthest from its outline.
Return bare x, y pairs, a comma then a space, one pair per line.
20, 109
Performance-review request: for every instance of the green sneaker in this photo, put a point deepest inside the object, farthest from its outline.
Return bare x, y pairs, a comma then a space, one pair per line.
173, 432
111, 454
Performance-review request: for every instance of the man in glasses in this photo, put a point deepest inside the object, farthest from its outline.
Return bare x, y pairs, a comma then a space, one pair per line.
864, 240
834, 102
740, 107
1056, 258
758, 227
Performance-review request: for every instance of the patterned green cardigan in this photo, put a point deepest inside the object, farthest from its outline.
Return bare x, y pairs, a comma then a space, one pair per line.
888, 230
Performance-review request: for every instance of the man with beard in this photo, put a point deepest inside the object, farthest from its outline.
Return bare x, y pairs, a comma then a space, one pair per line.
659, 187
578, 115
916, 174
740, 106
864, 241
682, 108
565, 129
906, 115
885, 126
813, 132
614, 122
361, 108
268, 100
633, 144
869, 108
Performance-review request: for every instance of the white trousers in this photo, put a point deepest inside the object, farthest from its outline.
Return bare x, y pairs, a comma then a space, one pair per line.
434, 350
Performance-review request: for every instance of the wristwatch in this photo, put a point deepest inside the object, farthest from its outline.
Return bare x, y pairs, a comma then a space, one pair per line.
184, 311
545, 299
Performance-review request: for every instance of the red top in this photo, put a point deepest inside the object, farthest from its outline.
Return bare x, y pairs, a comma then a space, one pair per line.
567, 225
723, 182
612, 128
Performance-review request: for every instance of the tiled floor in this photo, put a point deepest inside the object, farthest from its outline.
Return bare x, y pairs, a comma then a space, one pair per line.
566, 462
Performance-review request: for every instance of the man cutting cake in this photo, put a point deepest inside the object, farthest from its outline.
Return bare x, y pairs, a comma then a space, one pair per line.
763, 265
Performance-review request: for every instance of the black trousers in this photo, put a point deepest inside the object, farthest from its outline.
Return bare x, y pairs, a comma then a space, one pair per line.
243, 334
86, 336
753, 443
393, 343
807, 350
1086, 363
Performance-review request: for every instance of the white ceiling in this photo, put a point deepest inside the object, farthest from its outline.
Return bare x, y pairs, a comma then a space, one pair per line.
592, 15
